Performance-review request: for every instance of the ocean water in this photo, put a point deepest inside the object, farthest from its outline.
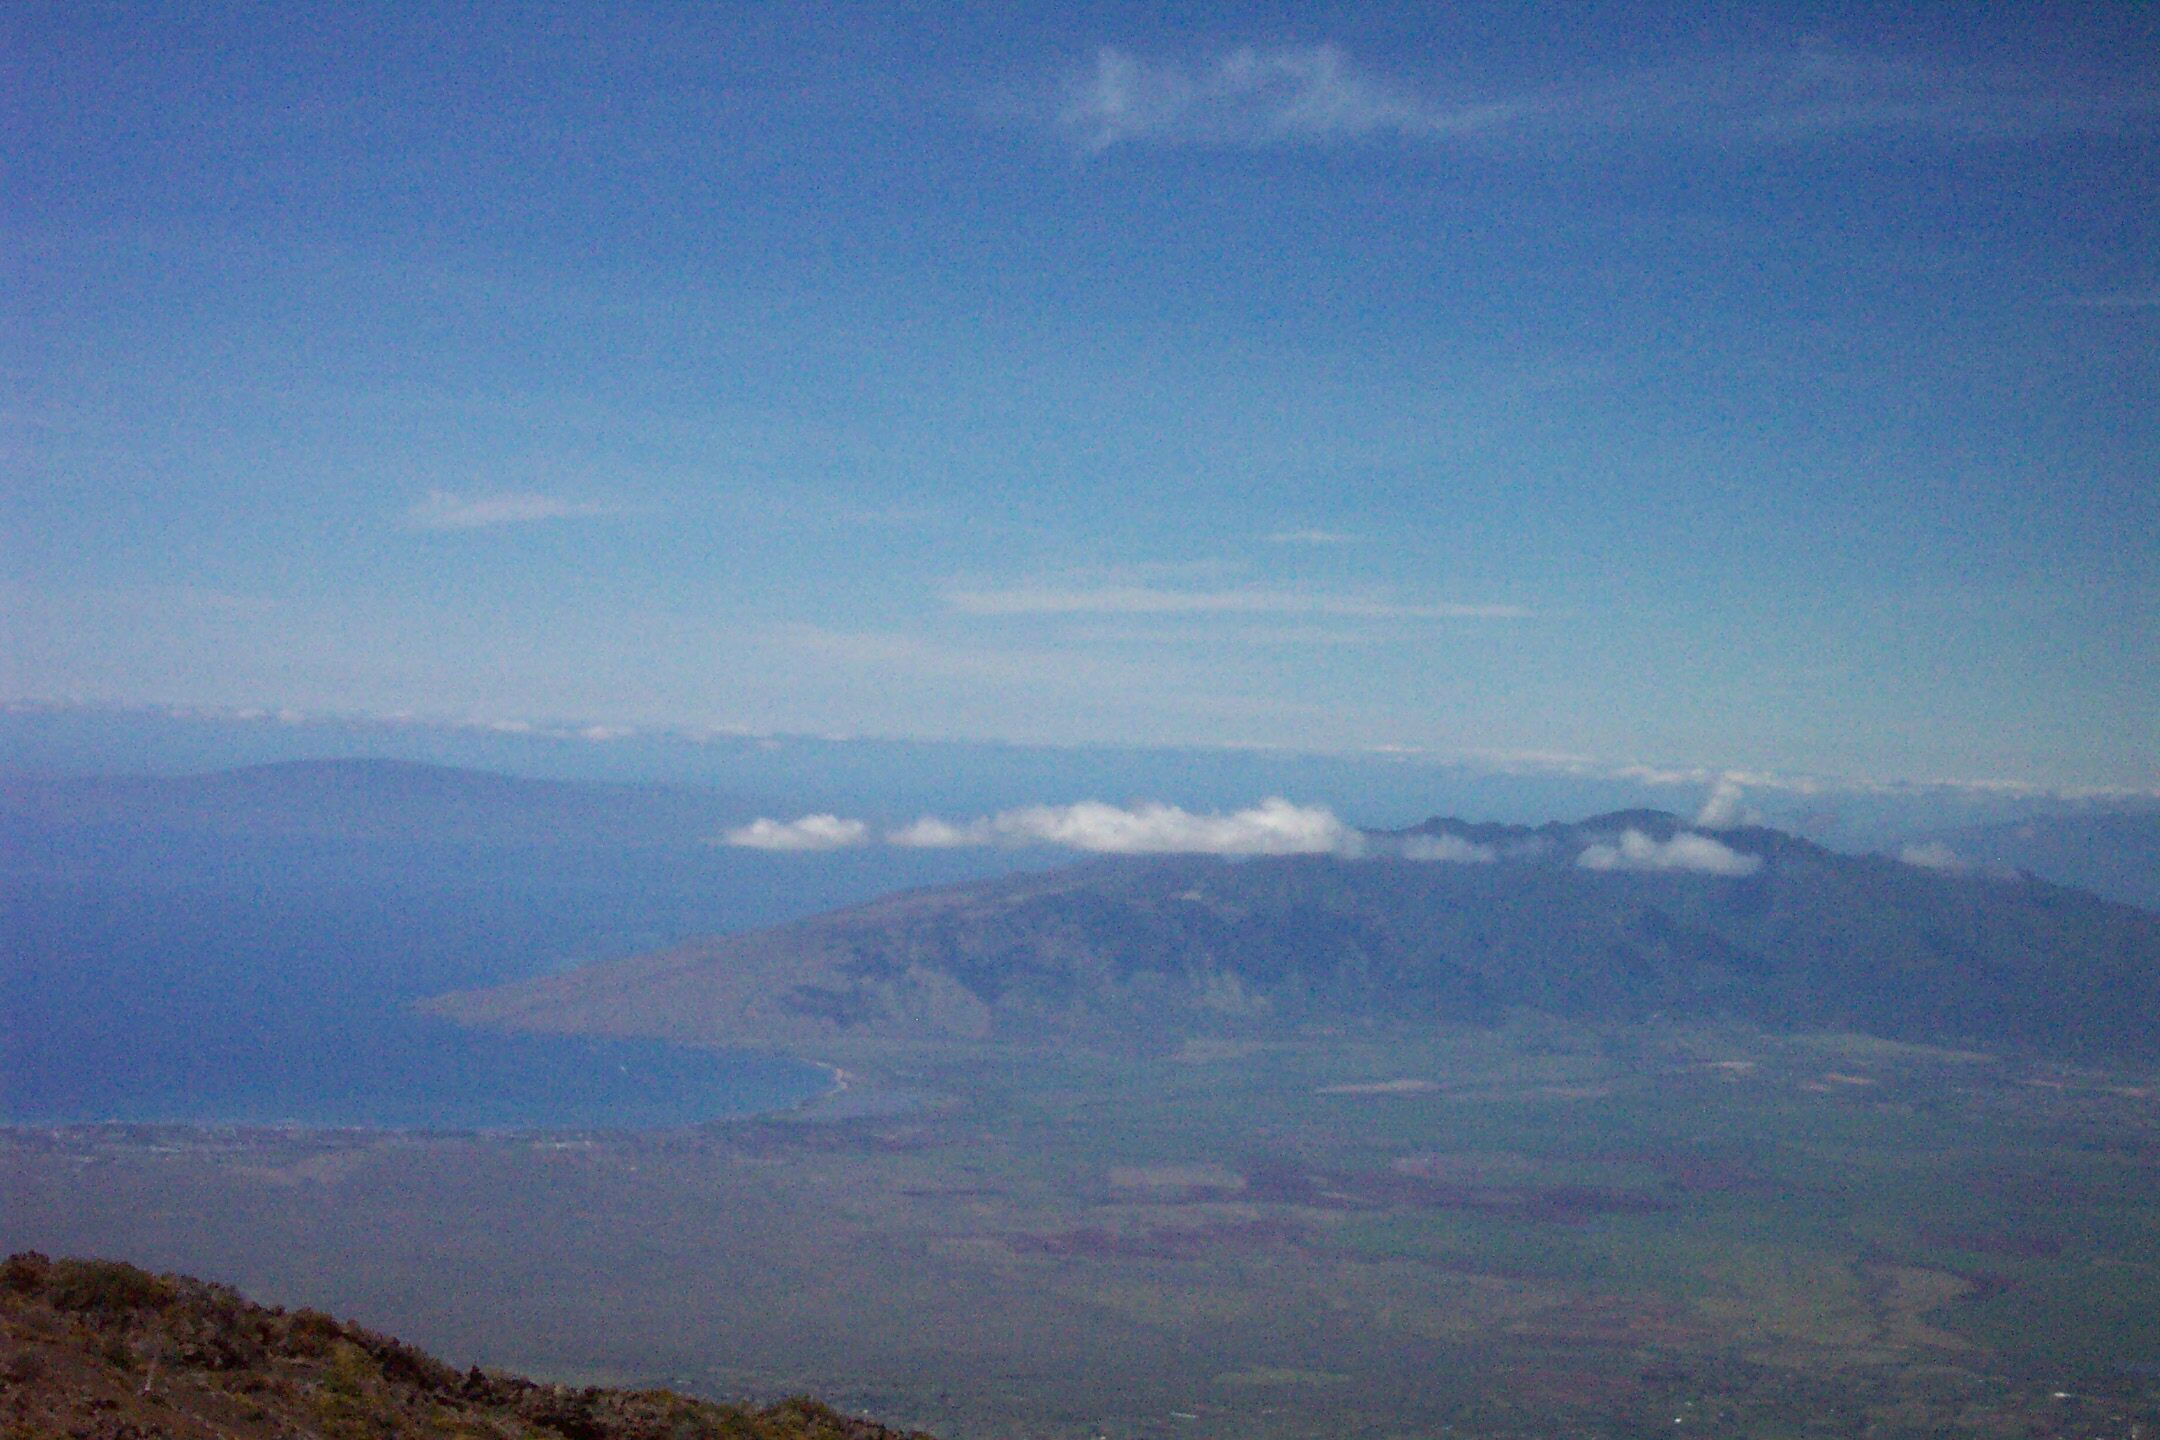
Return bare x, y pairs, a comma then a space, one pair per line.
149, 978
405, 1073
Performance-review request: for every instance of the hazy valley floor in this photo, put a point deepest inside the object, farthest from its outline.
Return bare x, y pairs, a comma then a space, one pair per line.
1502, 1232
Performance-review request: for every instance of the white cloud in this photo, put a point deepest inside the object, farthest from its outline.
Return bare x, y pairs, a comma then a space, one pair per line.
1685, 851
1723, 809
1152, 600
811, 832
1448, 848
1317, 94
441, 510
1273, 827
1934, 855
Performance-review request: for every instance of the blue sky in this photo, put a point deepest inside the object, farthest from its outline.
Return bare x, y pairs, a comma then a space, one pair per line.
1773, 389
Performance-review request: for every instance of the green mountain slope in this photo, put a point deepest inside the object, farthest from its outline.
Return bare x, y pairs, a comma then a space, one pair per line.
1751, 924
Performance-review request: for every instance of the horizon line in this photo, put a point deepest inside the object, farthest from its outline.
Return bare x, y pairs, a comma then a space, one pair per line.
1528, 764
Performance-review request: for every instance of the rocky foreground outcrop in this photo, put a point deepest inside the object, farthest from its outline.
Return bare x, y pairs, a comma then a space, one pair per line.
103, 1351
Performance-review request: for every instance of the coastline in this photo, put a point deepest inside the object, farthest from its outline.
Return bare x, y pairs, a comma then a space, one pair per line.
849, 1096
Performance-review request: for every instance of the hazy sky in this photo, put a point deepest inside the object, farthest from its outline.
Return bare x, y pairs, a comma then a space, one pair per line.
1774, 388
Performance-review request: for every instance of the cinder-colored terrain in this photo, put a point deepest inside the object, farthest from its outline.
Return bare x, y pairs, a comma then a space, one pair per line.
100, 1350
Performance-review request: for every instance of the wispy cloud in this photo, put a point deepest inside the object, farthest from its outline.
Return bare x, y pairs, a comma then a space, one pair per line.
1153, 600
442, 510
1254, 636
1451, 849
1313, 537
930, 833
1934, 855
894, 653
811, 832
1251, 96
1317, 94
2147, 299
1726, 806
1698, 854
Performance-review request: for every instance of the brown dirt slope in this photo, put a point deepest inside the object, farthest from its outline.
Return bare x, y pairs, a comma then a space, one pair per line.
104, 1351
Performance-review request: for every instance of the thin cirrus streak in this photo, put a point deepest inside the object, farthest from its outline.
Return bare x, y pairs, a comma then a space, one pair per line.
1150, 600
442, 510
1252, 96
2117, 300
1317, 94
1313, 537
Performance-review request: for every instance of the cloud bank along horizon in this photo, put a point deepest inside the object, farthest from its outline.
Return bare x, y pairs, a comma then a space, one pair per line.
1275, 826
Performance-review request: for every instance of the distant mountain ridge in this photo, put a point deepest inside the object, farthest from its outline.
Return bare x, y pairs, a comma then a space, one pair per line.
2115, 853
378, 799
1628, 915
